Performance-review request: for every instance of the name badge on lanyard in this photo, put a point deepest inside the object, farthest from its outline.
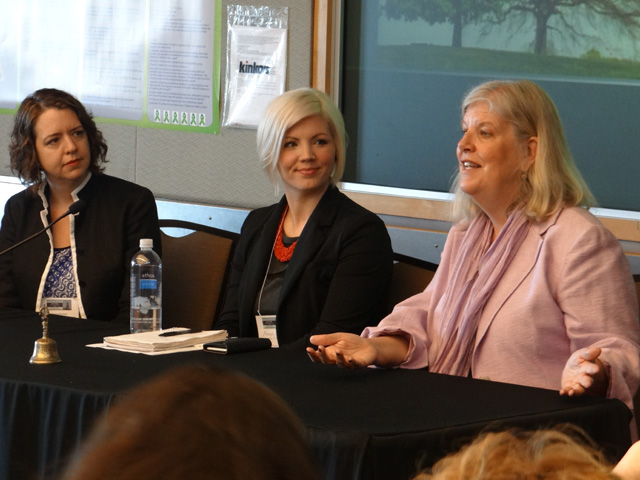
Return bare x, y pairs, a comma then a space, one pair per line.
63, 306
267, 328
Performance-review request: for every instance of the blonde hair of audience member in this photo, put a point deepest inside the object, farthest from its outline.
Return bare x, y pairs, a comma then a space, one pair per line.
552, 181
196, 423
283, 113
539, 455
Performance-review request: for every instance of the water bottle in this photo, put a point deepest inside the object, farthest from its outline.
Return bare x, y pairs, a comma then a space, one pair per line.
146, 289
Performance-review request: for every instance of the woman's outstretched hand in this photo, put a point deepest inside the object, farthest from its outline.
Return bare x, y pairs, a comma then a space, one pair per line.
352, 351
342, 349
584, 373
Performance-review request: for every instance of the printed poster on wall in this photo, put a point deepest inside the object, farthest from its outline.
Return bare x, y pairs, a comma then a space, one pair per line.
146, 63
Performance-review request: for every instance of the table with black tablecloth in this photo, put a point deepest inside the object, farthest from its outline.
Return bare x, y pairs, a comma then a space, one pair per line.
361, 424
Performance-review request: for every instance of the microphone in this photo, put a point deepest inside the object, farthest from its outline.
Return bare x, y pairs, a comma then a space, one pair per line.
74, 208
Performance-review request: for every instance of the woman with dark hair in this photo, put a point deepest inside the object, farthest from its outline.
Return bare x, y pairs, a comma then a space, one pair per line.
81, 266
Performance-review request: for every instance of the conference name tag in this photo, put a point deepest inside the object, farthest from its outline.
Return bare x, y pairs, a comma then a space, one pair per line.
267, 328
63, 306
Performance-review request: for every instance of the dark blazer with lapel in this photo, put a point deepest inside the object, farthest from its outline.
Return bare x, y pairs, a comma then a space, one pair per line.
336, 280
107, 234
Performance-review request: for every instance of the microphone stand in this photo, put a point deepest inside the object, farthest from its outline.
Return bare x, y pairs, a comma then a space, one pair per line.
74, 208
45, 350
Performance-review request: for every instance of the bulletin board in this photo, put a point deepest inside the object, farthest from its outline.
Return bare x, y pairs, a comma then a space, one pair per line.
144, 63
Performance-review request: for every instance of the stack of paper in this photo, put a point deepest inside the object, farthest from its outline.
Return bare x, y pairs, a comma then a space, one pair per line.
159, 341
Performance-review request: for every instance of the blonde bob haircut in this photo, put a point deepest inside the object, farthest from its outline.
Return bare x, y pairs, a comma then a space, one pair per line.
552, 181
539, 455
283, 113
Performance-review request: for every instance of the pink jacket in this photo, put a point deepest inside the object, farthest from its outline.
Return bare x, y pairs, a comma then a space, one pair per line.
569, 286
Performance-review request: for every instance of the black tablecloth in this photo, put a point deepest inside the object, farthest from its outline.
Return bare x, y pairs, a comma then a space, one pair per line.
362, 424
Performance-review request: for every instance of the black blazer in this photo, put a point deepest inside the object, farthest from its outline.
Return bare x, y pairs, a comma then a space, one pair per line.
107, 234
336, 280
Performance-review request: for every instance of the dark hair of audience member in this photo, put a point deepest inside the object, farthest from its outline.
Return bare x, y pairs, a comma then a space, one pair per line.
196, 423
558, 454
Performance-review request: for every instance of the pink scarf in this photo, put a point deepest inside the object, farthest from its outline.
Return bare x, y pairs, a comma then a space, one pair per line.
477, 270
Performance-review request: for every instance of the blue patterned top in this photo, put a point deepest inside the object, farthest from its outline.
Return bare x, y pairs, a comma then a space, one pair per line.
60, 281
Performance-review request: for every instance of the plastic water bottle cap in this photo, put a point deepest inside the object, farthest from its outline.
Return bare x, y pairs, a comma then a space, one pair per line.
146, 243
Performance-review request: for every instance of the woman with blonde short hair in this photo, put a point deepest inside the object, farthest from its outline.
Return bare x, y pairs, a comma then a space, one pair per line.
316, 262
287, 110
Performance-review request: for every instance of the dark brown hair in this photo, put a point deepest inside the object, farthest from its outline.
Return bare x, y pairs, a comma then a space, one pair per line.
22, 149
198, 423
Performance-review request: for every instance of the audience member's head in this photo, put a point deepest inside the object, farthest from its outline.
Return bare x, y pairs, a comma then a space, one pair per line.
539, 455
287, 110
196, 423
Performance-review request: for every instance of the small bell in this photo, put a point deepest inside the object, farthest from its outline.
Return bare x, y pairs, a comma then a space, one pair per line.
45, 349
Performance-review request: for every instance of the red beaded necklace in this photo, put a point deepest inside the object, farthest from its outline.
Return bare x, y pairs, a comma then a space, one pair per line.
281, 252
